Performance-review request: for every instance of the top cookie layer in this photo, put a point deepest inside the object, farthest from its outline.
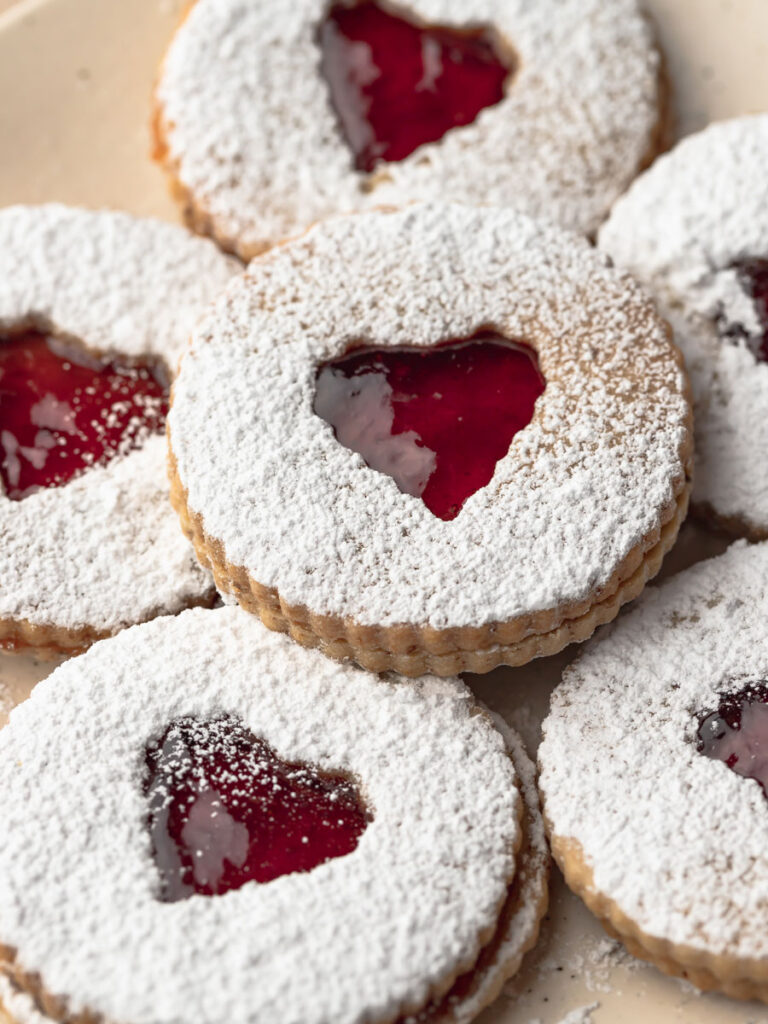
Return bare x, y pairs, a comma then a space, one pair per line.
78, 886
121, 285
255, 143
676, 840
683, 228
591, 479
86, 556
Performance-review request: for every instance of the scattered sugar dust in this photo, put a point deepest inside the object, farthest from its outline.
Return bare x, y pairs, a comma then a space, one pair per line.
593, 964
582, 1015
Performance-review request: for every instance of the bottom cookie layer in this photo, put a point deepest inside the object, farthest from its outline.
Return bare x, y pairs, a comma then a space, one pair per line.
411, 650
48, 642
521, 915
734, 526
733, 976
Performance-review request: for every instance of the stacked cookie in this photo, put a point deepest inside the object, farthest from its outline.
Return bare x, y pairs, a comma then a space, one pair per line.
425, 430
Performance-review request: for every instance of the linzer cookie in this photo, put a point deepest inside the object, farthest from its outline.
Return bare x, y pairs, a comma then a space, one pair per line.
270, 116
654, 774
695, 230
432, 440
95, 309
246, 811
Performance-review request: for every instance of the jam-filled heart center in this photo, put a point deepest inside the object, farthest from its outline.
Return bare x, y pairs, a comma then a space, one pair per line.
396, 84
753, 278
225, 809
63, 410
437, 420
737, 733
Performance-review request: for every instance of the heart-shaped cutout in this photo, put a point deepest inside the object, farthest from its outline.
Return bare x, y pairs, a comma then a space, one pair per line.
225, 809
436, 420
396, 84
737, 733
754, 275
62, 410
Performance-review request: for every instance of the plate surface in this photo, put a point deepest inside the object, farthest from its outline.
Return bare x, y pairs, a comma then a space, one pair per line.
75, 82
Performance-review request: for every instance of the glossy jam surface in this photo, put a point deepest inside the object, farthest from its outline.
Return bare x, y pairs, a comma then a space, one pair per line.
754, 276
396, 84
436, 420
737, 733
224, 810
62, 411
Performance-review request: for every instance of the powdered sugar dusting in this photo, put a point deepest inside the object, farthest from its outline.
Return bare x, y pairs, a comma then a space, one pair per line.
425, 882
532, 877
680, 229
621, 773
593, 963
121, 285
104, 550
581, 1015
256, 140
581, 486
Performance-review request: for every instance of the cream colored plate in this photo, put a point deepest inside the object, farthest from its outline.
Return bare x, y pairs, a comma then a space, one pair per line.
75, 81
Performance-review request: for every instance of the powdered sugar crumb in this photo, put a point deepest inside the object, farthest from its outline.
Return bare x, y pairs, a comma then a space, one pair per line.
594, 963
256, 140
680, 229
582, 1015
580, 487
104, 550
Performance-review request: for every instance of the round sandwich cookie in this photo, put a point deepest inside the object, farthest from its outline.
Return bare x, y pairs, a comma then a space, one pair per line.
432, 440
203, 821
95, 309
694, 229
654, 775
309, 109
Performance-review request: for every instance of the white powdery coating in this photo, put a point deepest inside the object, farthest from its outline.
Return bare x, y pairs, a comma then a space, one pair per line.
581, 1015
105, 549
77, 880
533, 864
676, 839
679, 229
580, 487
257, 142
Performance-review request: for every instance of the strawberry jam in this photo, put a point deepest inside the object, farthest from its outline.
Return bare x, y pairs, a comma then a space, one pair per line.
754, 277
224, 810
437, 420
737, 733
396, 84
62, 410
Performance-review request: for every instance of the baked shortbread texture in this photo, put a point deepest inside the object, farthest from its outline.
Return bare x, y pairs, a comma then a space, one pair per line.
576, 517
83, 560
255, 153
665, 845
448, 881
694, 229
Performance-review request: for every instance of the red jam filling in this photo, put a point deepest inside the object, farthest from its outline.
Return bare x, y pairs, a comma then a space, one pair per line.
737, 733
224, 810
62, 410
397, 84
436, 420
754, 276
